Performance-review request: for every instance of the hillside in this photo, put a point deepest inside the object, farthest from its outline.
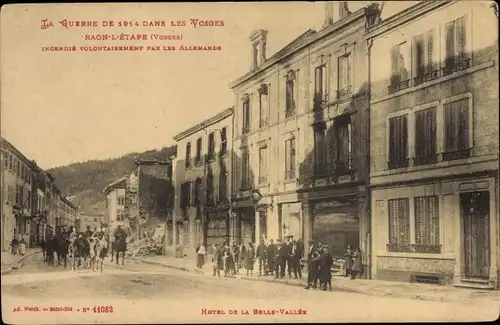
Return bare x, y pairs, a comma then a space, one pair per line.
87, 180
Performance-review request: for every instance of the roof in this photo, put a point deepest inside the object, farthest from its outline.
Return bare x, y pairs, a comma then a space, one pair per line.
18, 153
113, 185
200, 126
305, 39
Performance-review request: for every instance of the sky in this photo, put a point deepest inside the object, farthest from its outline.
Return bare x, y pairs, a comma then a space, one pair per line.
65, 107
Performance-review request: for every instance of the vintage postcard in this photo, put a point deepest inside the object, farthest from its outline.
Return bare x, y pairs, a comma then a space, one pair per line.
284, 162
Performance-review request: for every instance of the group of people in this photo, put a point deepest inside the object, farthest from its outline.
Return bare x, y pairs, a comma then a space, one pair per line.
230, 258
18, 245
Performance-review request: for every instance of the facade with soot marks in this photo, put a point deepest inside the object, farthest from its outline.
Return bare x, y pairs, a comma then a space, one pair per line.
434, 145
300, 128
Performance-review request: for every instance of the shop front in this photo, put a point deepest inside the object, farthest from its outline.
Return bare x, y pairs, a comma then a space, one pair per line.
335, 222
290, 220
217, 228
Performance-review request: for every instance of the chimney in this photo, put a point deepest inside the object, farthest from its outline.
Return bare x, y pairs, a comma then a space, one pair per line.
335, 11
259, 41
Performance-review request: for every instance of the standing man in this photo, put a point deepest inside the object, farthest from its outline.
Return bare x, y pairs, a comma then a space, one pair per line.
313, 260
294, 259
271, 257
288, 250
261, 256
281, 255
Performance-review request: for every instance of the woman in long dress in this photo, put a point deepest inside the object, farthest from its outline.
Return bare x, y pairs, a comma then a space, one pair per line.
200, 256
348, 260
249, 258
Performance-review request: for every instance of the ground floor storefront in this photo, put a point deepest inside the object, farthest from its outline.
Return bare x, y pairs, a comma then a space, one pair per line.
440, 231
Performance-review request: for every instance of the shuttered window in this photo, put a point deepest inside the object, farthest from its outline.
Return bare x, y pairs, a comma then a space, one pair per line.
290, 158
290, 94
198, 150
400, 67
210, 189
223, 182
455, 46
211, 145
456, 116
423, 66
263, 165
320, 87
345, 82
223, 139
319, 148
399, 221
245, 168
426, 220
398, 142
344, 143
263, 106
425, 136
246, 116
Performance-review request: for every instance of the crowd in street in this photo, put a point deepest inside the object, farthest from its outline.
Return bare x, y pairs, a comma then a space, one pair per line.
277, 259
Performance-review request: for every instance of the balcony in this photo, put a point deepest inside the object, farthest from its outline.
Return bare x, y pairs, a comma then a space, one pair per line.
455, 64
424, 77
425, 159
458, 154
398, 163
264, 122
290, 174
414, 248
397, 85
344, 93
245, 129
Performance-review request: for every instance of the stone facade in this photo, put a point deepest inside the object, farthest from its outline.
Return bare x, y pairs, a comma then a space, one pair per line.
418, 172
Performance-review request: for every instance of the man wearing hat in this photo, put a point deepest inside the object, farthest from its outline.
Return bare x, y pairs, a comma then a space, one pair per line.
313, 261
281, 256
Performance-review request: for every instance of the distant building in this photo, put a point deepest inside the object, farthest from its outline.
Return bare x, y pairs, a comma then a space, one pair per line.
94, 221
434, 145
115, 204
202, 182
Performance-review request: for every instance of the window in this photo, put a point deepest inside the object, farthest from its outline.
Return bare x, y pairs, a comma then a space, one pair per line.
18, 168
211, 146
425, 136
290, 157
245, 168
262, 166
188, 154
424, 69
223, 183
198, 151
11, 163
398, 142
18, 191
426, 221
197, 190
456, 57
28, 200
399, 223
121, 200
246, 115
319, 148
263, 106
22, 174
290, 103
344, 75
400, 76
320, 87
344, 144
223, 144
6, 160
210, 189
456, 116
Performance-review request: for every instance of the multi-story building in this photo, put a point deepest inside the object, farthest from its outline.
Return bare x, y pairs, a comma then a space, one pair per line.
17, 178
91, 220
201, 172
115, 203
300, 130
434, 144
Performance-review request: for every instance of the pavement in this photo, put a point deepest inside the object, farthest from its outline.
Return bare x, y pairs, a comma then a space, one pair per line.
339, 283
11, 262
147, 293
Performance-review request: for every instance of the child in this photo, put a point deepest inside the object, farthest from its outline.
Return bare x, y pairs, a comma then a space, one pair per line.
14, 244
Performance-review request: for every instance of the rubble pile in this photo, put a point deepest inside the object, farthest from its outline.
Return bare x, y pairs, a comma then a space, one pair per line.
146, 246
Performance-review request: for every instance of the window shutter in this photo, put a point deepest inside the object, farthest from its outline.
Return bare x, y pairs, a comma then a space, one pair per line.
420, 134
419, 60
463, 120
450, 41
430, 52
318, 81
404, 137
461, 38
431, 132
395, 68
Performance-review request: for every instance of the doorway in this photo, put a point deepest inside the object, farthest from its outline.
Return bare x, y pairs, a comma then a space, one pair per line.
476, 231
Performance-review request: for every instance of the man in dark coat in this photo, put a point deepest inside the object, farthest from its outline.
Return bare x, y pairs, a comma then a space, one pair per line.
216, 260
261, 256
295, 254
325, 269
281, 255
288, 249
271, 257
313, 261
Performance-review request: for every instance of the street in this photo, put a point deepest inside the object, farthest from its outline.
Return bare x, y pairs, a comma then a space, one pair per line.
147, 293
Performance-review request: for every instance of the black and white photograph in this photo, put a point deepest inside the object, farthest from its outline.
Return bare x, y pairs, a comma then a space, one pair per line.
253, 162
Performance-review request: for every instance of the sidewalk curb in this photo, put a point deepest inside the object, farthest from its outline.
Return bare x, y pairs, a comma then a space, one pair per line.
11, 266
335, 285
